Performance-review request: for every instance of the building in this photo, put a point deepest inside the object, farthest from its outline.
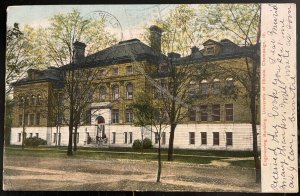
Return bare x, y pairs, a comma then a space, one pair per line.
212, 122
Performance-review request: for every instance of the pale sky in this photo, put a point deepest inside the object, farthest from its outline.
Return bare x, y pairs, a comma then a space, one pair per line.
131, 17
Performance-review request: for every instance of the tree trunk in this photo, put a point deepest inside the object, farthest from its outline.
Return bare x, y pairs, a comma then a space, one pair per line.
253, 122
70, 152
254, 133
171, 142
159, 160
75, 139
142, 142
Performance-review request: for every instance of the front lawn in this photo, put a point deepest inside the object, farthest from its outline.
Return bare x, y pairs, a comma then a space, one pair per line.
180, 155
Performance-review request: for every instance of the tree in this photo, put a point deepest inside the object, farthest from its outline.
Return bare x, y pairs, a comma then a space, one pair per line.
181, 33
17, 58
57, 48
148, 112
241, 22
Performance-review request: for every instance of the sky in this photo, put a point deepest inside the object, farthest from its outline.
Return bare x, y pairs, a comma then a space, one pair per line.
132, 18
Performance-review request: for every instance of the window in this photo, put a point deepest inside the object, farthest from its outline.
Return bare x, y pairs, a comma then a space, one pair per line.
130, 138
30, 135
129, 70
115, 116
203, 138
113, 137
229, 82
37, 118
89, 96
102, 93
125, 137
161, 89
192, 88
25, 135
203, 113
26, 119
21, 101
115, 92
37, 135
228, 138
116, 71
31, 118
192, 137
156, 138
20, 119
229, 112
103, 72
27, 101
216, 86
38, 100
129, 91
19, 137
210, 50
216, 112
33, 100
54, 138
215, 138
192, 114
204, 87
163, 138
129, 116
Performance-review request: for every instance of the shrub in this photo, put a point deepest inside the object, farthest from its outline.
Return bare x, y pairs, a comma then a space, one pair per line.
137, 144
147, 143
34, 141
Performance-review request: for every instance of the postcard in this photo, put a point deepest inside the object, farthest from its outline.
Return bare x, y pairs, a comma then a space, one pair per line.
151, 97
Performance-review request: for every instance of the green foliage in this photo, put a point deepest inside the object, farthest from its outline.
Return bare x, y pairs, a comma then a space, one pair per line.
34, 141
137, 144
17, 56
147, 143
238, 22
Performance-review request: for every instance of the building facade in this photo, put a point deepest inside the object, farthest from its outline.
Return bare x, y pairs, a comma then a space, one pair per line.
213, 121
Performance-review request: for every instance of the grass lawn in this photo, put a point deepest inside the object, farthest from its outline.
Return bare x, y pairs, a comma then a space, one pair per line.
180, 155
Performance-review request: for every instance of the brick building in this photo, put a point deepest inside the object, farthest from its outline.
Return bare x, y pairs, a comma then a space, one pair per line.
212, 121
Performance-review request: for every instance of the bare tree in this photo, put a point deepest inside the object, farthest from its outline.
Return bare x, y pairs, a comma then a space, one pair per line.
149, 112
242, 23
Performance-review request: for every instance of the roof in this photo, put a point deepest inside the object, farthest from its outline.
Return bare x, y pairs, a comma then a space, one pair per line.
228, 50
124, 51
52, 74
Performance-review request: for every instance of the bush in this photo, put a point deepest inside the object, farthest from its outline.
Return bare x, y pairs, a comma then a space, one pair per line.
147, 143
137, 144
34, 141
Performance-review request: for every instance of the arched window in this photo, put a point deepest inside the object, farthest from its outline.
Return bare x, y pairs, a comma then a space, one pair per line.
21, 101
102, 93
33, 100
115, 92
204, 87
38, 100
192, 88
27, 101
129, 91
229, 82
216, 86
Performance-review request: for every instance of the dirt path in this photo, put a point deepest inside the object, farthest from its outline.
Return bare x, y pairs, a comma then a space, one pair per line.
28, 173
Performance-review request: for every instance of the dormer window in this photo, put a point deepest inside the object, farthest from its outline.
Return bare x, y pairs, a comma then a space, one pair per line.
211, 47
210, 50
116, 71
31, 75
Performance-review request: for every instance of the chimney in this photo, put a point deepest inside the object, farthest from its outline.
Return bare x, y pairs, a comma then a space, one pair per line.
155, 38
78, 51
194, 49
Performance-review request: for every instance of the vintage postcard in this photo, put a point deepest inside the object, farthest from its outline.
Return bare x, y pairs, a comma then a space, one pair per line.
162, 97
